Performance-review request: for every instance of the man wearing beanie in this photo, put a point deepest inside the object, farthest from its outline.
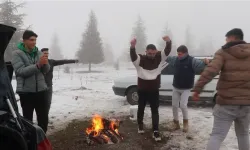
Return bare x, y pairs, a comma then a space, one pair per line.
149, 69
49, 76
29, 65
185, 67
233, 96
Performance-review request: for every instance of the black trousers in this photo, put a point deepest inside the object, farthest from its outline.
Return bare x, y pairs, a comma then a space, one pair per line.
152, 97
38, 102
49, 96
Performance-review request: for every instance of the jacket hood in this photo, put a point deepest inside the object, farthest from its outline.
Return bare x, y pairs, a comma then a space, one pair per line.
22, 48
239, 49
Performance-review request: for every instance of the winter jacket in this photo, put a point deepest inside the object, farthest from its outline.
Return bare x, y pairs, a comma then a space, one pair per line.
49, 76
29, 78
184, 79
149, 70
232, 63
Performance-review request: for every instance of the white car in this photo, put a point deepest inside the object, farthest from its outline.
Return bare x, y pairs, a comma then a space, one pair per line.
127, 86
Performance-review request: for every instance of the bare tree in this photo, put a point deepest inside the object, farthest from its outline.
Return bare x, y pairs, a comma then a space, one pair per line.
206, 47
9, 15
108, 53
162, 43
189, 40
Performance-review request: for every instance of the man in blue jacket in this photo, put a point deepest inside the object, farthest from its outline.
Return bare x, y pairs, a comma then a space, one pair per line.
185, 67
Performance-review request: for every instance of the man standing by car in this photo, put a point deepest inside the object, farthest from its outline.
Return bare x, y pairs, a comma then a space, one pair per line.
49, 76
29, 65
233, 96
185, 68
149, 68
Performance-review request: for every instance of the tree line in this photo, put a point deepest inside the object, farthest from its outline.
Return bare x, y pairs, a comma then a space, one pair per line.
92, 50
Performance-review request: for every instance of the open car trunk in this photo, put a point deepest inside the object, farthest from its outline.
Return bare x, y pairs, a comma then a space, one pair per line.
16, 133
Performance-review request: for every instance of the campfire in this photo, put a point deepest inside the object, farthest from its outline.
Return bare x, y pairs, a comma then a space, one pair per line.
103, 131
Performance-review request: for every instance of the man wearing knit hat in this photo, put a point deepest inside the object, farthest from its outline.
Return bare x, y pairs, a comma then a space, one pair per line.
233, 96
185, 67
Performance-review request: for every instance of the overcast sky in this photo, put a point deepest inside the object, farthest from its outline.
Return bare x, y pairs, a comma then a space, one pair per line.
68, 19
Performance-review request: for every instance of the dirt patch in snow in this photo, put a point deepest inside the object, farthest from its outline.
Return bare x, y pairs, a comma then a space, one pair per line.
73, 138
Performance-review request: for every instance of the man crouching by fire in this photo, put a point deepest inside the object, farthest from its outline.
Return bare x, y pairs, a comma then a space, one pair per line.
149, 67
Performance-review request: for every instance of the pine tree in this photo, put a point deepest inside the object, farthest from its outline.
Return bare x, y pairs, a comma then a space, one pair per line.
9, 16
162, 43
140, 35
91, 49
55, 50
189, 40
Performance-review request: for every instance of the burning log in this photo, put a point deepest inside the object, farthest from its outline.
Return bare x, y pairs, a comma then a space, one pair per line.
103, 131
92, 138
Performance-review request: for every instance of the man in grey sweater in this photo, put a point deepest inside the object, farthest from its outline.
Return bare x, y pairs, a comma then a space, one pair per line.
29, 65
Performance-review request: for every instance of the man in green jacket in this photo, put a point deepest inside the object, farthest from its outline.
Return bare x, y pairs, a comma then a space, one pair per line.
29, 65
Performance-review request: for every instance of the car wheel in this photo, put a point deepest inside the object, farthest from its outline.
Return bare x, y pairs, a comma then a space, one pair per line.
132, 96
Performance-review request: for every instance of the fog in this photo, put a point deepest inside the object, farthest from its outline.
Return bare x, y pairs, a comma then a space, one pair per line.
68, 20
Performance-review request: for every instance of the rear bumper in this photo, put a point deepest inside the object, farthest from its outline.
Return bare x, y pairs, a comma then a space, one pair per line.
119, 91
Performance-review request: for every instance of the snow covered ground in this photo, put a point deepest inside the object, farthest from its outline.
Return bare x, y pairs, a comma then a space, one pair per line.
80, 95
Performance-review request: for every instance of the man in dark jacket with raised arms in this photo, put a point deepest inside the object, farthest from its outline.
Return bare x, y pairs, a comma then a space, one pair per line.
149, 69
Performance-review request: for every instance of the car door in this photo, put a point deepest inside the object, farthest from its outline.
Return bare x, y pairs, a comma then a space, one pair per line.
166, 88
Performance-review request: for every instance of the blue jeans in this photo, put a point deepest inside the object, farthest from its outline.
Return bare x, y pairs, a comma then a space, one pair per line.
224, 116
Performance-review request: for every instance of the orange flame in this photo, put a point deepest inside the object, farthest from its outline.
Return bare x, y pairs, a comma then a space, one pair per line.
97, 125
113, 126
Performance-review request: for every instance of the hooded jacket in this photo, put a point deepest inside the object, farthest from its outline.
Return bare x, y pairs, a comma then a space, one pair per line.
232, 63
29, 77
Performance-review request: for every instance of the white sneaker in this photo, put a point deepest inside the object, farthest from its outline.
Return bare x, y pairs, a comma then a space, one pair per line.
141, 131
156, 136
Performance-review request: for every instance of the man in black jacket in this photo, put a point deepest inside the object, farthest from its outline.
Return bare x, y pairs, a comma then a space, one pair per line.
49, 76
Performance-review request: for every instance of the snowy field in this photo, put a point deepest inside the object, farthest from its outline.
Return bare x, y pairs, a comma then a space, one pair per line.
80, 95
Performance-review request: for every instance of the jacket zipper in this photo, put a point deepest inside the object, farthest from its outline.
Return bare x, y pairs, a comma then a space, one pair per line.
36, 75
34, 61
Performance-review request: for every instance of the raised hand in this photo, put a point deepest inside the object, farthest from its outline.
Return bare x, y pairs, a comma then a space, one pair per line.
133, 42
206, 61
166, 38
196, 96
43, 60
